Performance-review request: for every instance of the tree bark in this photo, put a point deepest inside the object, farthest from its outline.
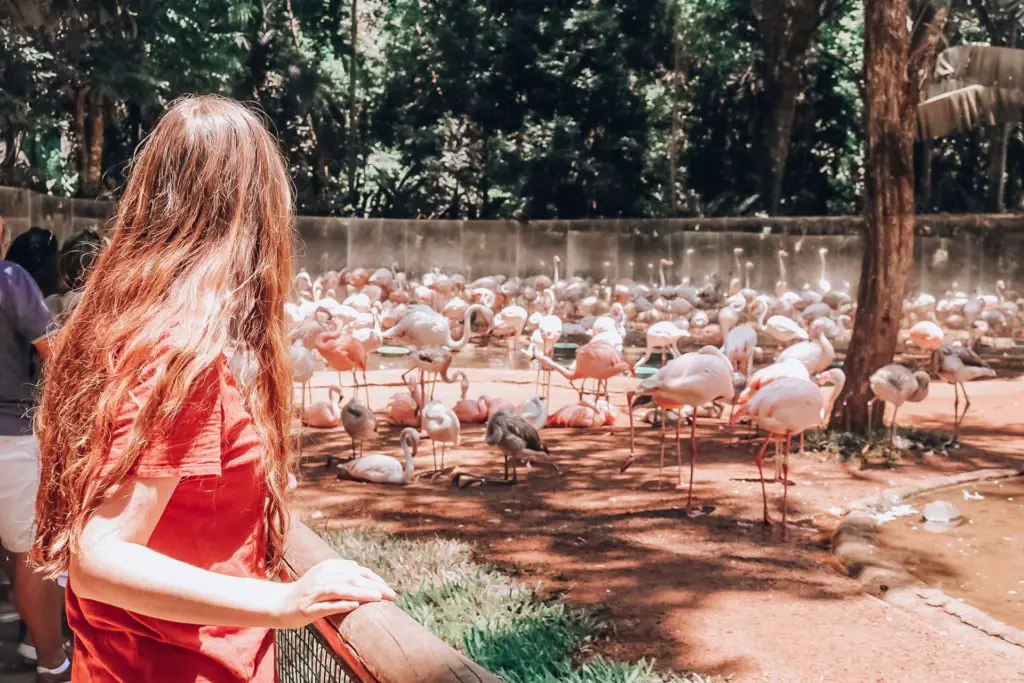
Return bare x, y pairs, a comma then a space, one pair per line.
353, 105
896, 61
786, 29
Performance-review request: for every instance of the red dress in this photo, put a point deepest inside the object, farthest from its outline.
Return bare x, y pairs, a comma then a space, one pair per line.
213, 520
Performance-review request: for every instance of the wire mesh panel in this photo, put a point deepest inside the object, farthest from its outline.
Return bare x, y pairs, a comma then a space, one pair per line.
305, 656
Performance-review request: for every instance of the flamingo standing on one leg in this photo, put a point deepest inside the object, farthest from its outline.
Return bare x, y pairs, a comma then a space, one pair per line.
692, 380
897, 384
547, 334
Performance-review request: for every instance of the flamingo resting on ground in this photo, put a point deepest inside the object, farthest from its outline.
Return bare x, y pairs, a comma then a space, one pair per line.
324, 414
586, 414
383, 469
475, 411
404, 408
897, 385
692, 380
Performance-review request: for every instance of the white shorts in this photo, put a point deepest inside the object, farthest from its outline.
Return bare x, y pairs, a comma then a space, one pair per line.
19, 484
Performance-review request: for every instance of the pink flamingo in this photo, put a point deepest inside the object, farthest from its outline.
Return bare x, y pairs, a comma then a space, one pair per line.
475, 411
597, 360
692, 380
344, 353
586, 414
324, 414
786, 407
403, 408
817, 353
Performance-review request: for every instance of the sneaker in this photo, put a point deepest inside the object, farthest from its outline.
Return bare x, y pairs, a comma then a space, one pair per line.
62, 677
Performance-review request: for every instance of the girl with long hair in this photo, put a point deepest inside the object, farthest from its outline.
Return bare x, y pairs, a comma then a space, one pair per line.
163, 480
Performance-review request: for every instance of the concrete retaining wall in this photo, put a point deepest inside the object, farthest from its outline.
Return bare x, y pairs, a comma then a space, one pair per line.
971, 251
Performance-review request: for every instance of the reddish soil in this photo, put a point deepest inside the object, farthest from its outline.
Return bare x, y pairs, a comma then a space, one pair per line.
720, 594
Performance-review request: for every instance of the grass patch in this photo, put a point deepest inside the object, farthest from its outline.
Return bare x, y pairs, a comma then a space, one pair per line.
907, 441
504, 626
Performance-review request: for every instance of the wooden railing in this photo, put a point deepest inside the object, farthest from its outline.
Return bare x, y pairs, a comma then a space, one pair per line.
376, 643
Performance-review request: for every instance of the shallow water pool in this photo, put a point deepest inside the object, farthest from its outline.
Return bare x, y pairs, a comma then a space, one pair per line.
979, 560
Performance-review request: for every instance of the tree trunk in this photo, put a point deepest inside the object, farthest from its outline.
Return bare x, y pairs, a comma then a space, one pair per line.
91, 184
779, 135
353, 104
895, 61
925, 154
673, 194
786, 30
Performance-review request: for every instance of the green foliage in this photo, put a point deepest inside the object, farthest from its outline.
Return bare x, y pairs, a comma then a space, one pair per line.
501, 624
470, 108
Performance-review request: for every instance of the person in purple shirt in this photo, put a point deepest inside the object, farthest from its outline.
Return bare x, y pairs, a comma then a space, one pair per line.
30, 263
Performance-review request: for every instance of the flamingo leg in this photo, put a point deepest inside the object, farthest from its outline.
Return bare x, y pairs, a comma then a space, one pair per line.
785, 482
871, 415
679, 458
661, 463
801, 445
956, 410
443, 445
892, 426
433, 447
967, 405
693, 457
758, 460
366, 388
302, 410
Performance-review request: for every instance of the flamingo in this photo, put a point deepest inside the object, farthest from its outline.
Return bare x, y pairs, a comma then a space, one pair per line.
597, 360
534, 412
547, 334
403, 408
510, 321
692, 380
739, 347
432, 360
378, 468
956, 365
660, 336
927, 335
343, 353
586, 414
518, 441
423, 326
817, 353
359, 423
784, 408
442, 426
324, 414
897, 385
478, 410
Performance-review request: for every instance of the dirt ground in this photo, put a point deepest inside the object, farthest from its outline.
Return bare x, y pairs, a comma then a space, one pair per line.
720, 594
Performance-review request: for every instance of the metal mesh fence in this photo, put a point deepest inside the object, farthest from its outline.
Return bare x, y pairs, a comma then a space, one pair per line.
304, 656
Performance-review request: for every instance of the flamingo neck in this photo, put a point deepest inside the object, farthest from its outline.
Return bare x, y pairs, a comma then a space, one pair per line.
547, 363
467, 320
833, 396
409, 452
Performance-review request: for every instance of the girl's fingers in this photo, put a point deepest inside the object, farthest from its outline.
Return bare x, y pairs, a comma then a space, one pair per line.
348, 590
321, 610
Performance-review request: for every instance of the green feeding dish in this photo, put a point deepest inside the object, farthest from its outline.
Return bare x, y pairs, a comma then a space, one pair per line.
645, 371
565, 350
393, 351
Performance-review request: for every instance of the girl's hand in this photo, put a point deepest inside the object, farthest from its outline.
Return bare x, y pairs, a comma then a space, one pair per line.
331, 587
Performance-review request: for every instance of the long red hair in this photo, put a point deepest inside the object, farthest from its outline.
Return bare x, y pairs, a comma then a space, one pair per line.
200, 254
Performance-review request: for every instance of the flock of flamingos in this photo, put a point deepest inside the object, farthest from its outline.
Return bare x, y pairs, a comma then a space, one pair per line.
341, 317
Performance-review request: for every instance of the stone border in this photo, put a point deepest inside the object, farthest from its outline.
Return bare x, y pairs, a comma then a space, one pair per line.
855, 544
